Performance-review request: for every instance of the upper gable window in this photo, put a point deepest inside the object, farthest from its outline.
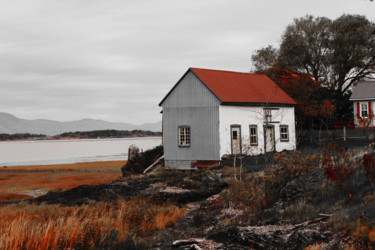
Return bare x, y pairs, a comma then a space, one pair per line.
267, 115
184, 136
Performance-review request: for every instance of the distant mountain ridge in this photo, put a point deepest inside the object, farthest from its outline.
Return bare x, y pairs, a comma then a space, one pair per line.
10, 124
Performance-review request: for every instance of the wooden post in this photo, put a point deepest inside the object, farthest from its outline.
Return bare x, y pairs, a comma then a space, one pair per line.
234, 167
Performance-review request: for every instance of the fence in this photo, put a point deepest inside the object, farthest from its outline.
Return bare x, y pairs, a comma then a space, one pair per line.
337, 134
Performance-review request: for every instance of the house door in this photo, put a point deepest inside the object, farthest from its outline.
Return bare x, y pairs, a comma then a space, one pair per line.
270, 139
236, 139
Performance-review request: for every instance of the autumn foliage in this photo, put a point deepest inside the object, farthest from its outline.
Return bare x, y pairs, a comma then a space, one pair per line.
314, 102
338, 164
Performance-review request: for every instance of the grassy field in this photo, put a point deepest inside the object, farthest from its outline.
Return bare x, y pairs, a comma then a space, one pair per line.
31, 226
108, 226
22, 182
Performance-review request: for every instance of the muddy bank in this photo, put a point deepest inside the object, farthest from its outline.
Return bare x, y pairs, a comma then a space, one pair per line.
174, 186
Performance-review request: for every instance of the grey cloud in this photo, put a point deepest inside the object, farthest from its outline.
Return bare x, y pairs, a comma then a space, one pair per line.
117, 59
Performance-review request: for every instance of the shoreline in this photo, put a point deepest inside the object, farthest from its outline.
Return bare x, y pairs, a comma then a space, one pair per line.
62, 152
72, 139
62, 162
64, 166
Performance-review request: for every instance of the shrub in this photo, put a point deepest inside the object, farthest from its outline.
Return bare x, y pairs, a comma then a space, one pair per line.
338, 164
287, 167
368, 165
247, 196
138, 162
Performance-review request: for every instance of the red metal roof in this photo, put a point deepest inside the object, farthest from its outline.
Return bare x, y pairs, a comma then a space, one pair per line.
236, 87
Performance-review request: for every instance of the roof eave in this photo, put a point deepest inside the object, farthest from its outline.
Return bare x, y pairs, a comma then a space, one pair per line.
362, 99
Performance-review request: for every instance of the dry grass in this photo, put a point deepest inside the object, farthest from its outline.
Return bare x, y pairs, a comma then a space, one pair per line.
104, 226
246, 196
25, 226
9, 197
100, 165
22, 180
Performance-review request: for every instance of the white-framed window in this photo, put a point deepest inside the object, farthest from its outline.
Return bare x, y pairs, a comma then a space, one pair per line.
253, 135
267, 115
184, 136
364, 109
284, 133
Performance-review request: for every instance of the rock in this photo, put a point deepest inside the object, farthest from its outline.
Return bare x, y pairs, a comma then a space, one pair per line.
178, 243
196, 244
272, 236
302, 186
248, 236
305, 237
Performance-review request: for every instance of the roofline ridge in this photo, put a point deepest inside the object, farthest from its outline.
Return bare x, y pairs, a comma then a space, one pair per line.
227, 71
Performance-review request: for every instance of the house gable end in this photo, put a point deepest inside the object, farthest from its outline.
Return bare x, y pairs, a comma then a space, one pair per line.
189, 91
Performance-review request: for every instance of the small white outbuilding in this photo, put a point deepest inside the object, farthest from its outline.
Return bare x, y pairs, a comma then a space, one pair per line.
211, 113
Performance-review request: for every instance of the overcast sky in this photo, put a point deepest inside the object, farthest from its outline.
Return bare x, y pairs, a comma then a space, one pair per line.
116, 59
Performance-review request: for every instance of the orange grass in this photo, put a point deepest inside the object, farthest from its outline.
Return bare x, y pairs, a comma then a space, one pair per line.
25, 226
99, 165
23, 179
9, 197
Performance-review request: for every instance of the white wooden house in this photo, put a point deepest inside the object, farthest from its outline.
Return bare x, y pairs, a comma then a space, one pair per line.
211, 113
363, 98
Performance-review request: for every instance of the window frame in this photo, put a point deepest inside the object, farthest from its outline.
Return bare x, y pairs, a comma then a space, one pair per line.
267, 115
364, 104
283, 133
186, 133
253, 135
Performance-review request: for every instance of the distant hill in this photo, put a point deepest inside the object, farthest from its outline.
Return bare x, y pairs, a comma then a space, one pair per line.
9, 124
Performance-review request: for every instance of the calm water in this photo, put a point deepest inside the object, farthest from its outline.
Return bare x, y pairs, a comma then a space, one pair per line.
70, 151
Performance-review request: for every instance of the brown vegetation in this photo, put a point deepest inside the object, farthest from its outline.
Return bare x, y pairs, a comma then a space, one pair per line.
322, 200
22, 180
335, 184
26, 226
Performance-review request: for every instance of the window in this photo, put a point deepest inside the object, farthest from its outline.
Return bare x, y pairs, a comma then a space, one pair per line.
284, 133
235, 135
364, 109
253, 135
267, 115
184, 136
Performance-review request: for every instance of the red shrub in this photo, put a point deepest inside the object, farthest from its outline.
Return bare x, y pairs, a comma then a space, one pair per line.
368, 164
338, 165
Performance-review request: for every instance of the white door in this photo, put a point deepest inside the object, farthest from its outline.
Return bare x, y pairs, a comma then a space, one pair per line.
270, 139
236, 139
